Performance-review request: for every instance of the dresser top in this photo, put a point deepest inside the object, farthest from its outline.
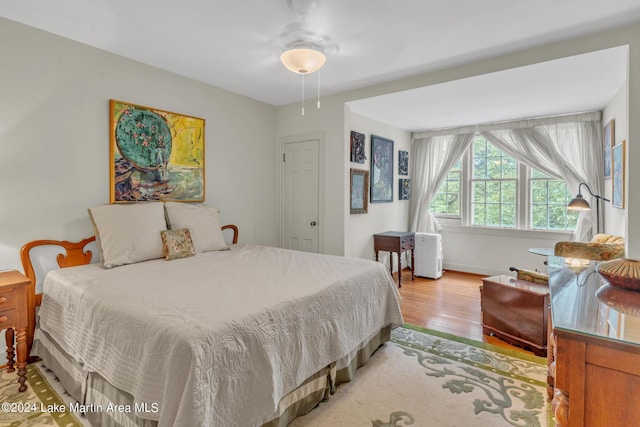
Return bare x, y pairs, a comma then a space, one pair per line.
583, 302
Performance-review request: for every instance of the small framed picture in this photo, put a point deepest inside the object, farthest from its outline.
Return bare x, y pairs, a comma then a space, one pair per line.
403, 162
359, 191
381, 169
617, 172
404, 189
608, 137
357, 147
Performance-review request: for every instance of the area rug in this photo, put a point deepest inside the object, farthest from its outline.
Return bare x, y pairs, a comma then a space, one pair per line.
427, 378
39, 405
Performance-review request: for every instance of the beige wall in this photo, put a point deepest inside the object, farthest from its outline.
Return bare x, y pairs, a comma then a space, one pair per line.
618, 110
381, 217
54, 135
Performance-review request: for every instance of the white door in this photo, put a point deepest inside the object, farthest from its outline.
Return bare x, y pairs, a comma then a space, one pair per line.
301, 196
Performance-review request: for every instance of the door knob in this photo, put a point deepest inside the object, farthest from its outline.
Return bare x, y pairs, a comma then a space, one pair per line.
313, 223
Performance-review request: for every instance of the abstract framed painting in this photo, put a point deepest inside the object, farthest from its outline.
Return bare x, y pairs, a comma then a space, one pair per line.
357, 147
608, 137
359, 191
404, 189
617, 174
381, 169
403, 162
155, 155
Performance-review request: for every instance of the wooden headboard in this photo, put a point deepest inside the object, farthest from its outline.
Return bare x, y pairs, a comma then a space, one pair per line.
75, 253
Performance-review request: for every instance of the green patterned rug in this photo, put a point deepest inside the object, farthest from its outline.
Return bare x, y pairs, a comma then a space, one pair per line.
428, 378
39, 405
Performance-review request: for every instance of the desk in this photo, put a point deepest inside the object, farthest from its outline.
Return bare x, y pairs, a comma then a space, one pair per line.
395, 241
597, 348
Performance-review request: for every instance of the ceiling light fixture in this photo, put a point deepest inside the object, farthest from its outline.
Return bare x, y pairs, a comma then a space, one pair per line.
303, 59
304, 50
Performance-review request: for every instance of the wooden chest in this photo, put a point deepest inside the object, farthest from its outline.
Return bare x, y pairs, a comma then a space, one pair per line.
515, 311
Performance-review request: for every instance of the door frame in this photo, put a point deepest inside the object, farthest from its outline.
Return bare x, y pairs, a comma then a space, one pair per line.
289, 139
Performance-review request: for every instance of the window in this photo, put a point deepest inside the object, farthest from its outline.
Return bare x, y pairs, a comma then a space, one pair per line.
447, 199
502, 193
548, 200
493, 186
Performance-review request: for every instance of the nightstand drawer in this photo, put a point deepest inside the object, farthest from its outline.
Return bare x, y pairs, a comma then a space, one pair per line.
7, 300
7, 318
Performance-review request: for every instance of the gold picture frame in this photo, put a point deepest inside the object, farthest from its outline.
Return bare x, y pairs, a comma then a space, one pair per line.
359, 200
155, 155
618, 156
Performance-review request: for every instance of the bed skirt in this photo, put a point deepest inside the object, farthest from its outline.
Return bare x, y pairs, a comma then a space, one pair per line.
93, 391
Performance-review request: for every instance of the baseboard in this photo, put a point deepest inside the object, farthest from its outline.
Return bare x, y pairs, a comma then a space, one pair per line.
475, 269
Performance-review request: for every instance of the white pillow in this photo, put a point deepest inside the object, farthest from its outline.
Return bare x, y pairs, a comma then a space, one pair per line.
129, 233
201, 220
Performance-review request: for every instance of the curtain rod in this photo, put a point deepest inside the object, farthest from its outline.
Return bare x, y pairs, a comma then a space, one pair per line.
513, 124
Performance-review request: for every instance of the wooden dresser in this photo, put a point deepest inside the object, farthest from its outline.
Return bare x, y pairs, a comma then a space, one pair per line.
14, 317
596, 330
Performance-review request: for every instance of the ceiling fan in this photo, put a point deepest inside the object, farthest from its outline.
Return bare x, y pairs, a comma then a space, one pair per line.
304, 51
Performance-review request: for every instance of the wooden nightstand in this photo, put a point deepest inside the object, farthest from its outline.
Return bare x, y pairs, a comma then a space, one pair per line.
13, 316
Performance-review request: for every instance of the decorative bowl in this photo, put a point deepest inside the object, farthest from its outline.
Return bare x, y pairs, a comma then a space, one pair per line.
622, 300
621, 272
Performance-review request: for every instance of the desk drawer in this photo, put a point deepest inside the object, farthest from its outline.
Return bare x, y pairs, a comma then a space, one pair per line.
7, 300
407, 239
7, 318
407, 243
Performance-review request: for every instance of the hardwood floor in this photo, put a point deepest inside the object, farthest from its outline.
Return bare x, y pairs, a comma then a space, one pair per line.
449, 304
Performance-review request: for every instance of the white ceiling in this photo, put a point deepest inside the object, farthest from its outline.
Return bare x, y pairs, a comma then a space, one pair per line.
570, 85
236, 45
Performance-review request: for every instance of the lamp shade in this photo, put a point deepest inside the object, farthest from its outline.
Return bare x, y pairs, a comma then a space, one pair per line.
578, 204
303, 60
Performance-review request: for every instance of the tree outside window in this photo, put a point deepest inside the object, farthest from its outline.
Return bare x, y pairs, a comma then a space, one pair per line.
447, 200
494, 186
549, 198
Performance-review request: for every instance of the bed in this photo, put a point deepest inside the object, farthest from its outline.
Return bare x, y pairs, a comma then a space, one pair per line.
244, 335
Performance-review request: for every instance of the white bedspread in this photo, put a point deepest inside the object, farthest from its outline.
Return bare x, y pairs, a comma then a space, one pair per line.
219, 338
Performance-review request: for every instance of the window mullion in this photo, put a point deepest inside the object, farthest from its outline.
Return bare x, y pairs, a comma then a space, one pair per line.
465, 188
524, 205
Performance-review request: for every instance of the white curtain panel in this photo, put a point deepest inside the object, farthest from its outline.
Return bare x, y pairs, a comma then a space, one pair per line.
432, 157
566, 147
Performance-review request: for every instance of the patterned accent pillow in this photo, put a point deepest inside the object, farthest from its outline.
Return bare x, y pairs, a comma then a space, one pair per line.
177, 244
